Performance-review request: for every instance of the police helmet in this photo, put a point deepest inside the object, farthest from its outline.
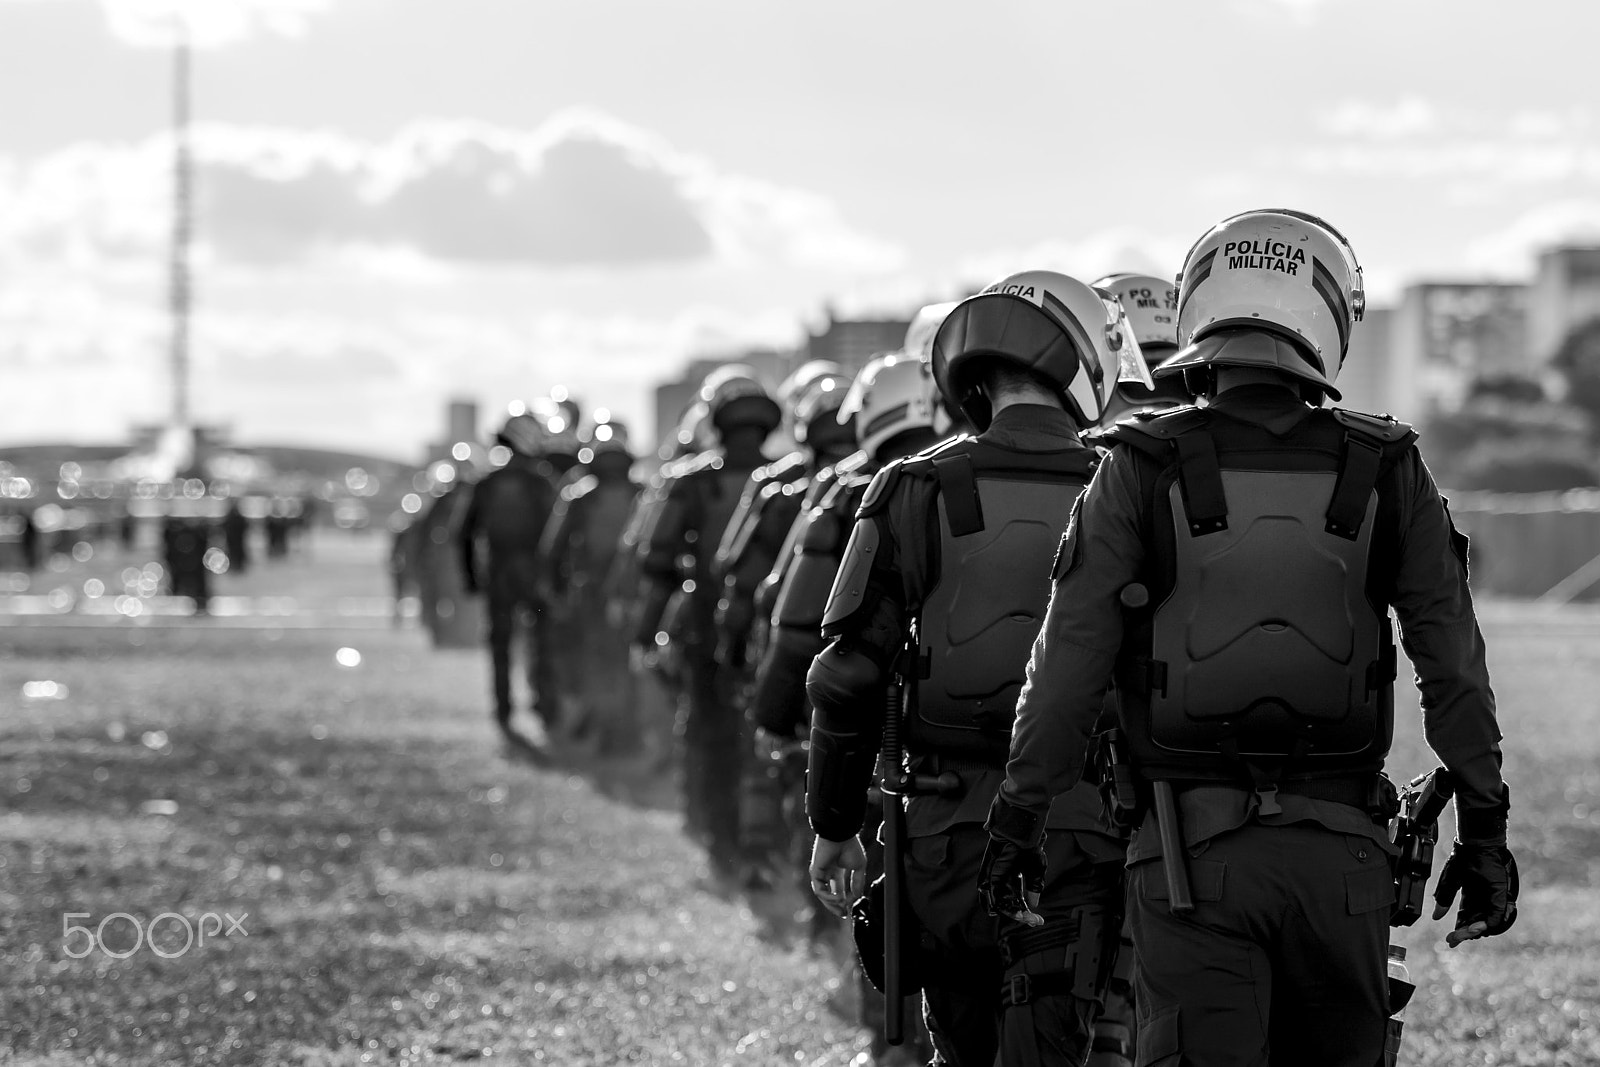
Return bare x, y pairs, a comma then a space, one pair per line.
1151, 305
560, 425
792, 388
605, 437
1283, 273
816, 408
734, 398
924, 326
523, 433
893, 394
1071, 336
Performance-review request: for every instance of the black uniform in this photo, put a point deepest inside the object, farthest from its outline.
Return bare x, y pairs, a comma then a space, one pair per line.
953, 545
699, 497
1273, 538
509, 509
579, 549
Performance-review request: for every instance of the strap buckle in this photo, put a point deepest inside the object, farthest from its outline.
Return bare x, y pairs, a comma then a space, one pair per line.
1017, 990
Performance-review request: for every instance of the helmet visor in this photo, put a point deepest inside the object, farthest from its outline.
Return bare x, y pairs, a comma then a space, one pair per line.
1131, 366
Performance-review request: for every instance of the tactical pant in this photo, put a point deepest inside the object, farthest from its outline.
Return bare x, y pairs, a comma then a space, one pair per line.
1282, 961
512, 603
1052, 993
714, 751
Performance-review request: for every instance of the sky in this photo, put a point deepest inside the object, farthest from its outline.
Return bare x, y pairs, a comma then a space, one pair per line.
402, 201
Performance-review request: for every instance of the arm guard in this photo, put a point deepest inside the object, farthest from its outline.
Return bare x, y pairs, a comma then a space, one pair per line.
658, 557
847, 693
778, 704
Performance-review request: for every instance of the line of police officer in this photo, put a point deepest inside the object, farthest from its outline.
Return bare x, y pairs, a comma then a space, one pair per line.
1214, 620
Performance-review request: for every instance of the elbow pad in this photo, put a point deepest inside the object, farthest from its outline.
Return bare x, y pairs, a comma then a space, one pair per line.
846, 690
779, 704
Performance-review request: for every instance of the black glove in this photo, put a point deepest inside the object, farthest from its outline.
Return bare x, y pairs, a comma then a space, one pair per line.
1013, 863
1486, 876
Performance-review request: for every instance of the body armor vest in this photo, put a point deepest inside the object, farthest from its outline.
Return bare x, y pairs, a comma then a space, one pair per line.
803, 595
999, 516
1266, 645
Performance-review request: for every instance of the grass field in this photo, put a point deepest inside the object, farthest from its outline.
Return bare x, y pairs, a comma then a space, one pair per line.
412, 897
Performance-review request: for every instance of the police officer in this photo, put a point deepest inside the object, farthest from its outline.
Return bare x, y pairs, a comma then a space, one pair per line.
578, 550
894, 399
656, 669
698, 500
943, 584
1233, 566
508, 510
1151, 305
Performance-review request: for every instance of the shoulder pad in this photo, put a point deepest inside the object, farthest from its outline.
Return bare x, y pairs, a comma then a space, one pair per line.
699, 463
1162, 425
785, 467
878, 491
579, 487
1385, 428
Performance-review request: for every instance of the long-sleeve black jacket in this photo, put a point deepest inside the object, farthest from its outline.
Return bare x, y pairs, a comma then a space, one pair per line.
1078, 645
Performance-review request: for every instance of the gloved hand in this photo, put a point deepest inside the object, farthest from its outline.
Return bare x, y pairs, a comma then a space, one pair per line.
1012, 875
1486, 877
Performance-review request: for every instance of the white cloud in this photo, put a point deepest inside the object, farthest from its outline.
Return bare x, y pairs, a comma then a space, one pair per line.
1477, 154
206, 23
1512, 251
580, 190
1121, 248
1407, 117
100, 359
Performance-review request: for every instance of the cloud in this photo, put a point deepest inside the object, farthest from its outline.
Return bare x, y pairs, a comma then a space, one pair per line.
1512, 251
334, 378
581, 190
1476, 153
1121, 248
206, 23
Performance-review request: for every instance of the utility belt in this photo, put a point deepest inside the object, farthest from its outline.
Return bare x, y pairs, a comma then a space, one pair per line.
949, 767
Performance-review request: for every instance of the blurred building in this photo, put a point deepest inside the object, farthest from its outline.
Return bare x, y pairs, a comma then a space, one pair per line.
852, 342
1368, 378
1445, 334
460, 424
1565, 295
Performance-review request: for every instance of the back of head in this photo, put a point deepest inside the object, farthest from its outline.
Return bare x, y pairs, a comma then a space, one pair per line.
1067, 335
817, 422
1275, 289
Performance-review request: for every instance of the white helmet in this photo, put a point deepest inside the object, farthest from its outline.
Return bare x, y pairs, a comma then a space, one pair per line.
819, 400
735, 397
560, 425
792, 388
1074, 337
1151, 305
924, 326
523, 433
1274, 270
893, 394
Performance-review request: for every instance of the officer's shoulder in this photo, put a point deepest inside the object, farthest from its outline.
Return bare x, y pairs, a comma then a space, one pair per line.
1151, 432
579, 487
698, 465
1385, 429
918, 466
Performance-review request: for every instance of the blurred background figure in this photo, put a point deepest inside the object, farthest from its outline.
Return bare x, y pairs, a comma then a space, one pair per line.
498, 545
699, 497
236, 537
186, 534
579, 551
1151, 306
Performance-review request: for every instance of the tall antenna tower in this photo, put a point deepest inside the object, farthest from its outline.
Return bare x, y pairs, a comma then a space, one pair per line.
182, 225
